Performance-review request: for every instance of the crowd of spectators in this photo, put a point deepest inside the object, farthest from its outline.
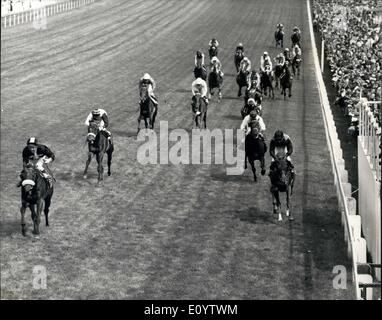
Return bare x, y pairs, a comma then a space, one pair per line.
353, 48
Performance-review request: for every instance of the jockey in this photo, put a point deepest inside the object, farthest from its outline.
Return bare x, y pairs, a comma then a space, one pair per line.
198, 87
239, 48
43, 155
296, 53
199, 59
265, 61
149, 81
213, 43
100, 117
296, 35
280, 59
255, 80
215, 63
252, 117
287, 55
280, 27
281, 144
245, 67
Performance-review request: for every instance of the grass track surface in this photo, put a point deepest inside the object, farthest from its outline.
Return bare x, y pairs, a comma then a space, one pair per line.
161, 231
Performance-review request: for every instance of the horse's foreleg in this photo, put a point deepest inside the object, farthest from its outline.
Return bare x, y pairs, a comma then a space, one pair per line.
100, 167
37, 215
277, 196
239, 92
205, 119
139, 124
262, 164
90, 156
46, 210
22, 211
109, 158
146, 123
252, 163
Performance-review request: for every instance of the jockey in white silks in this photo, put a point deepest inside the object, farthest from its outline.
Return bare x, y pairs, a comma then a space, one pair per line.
151, 85
198, 87
199, 59
215, 63
296, 51
246, 67
280, 59
265, 62
252, 117
100, 117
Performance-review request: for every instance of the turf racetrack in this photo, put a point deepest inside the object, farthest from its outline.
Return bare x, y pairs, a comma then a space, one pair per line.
161, 231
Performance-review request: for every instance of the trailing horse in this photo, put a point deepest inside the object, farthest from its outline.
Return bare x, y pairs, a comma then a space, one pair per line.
237, 59
279, 37
215, 81
200, 73
266, 82
147, 109
199, 104
98, 145
242, 81
286, 82
282, 180
35, 192
255, 149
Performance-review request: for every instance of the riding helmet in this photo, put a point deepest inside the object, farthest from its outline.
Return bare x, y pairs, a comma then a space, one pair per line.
32, 140
96, 112
146, 76
265, 53
251, 101
279, 135
199, 54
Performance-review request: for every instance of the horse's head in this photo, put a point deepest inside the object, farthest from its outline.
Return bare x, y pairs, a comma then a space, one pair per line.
92, 132
255, 129
282, 169
144, 91
28, 177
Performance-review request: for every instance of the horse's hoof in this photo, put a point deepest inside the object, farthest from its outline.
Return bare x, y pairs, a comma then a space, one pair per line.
280, 218
255, 179
109, 174
263, 172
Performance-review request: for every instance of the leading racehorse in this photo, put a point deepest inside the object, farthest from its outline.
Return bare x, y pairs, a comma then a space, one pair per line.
255, 149
279, 37
98, 145
215, 81
147, 109
296, 64
282, 180
35, 191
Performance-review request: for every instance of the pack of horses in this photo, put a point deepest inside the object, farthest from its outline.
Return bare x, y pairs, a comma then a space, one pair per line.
36, 192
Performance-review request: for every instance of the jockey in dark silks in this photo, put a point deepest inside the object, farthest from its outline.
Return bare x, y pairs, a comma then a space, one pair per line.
41, 155
150, 83
100, 117
281, 144
296, 36
214, 48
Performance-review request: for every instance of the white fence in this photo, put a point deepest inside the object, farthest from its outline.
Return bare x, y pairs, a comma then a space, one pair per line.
29, 16
347, 204
369, 176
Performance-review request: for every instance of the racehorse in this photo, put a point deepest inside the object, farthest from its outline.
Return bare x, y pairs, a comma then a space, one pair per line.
296, 64
199, 104
215, 81
254, 93
213, 52
200, 73
295, 37
278, 70
98, 145
266, 82
282, 180
279, 37
255, 149
242, 81
147, 109
239, 55
286, 82
35, 191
